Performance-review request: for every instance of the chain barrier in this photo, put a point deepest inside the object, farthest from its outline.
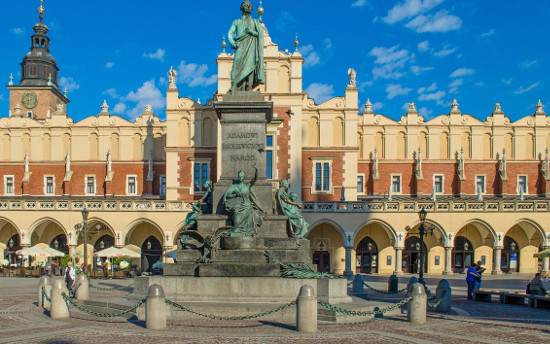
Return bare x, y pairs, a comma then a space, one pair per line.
244, 317
434, 305
45, 295
110, 288
101, 315
365, 313
350, 283
385, 292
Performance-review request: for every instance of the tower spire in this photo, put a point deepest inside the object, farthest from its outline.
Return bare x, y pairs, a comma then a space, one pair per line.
41, 11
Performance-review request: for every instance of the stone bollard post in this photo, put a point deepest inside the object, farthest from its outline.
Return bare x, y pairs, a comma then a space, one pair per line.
59, 308
412, 280
82, 287
358, 286
306, 310
443, 292
46, 282
155, 308
416, 311
393, 284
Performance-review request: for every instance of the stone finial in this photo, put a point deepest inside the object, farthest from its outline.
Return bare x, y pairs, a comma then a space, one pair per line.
412, 106
539, 106
296, 43
172, 74
260, 11
224, 44
368, 105
10, 83
17, 108
352, 73
498, 107
454, 105
148, 108
104, 107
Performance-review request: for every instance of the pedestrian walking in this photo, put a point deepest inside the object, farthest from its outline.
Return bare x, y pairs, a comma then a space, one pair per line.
70, 276
471, 276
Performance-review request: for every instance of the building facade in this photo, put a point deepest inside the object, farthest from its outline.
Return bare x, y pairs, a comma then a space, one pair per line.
361, 176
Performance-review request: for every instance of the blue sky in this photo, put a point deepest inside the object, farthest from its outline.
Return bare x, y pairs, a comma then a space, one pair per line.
426, 51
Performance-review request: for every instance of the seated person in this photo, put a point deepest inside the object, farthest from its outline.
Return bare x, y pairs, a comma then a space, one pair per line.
536, 287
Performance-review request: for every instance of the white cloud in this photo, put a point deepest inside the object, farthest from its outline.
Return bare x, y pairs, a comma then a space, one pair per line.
320, 92
447, 50
488, 33
479, 83
311, 58
417, 70
112, 93
148, 93
423, 46
431, 93
409, 9
442, 21
507, 81
424, 112
390, 62
1, 97
328, 43
462, 72
157, 55
359, 3
193, 75
395, 90
120, 108
68, 83
528, 64
285, 22
109, 65
377, 106
523, 89
430, 88
18, 30
453, 86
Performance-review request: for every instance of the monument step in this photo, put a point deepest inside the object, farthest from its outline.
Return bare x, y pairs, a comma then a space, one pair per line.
226, 269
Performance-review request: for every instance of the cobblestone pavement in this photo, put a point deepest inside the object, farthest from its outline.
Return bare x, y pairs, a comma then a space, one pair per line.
21, 321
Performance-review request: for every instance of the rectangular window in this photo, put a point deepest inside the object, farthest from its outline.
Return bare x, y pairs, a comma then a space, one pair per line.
322, 176
438, 183
480, 184
162, 190
49, 185
326, 176
396, 184
90, 185
269, 157
522, 184
200, 176
360, 184
131, 182
9, 185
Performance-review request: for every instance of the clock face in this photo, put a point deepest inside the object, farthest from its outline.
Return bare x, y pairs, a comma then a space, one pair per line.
29, 99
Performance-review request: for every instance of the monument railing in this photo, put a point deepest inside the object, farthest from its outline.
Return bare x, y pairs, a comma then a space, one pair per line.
95, 205
431, 206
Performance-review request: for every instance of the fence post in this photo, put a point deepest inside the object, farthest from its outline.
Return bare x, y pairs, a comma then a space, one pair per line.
46, 283
443, 292
82, 287
358, 286
306, 310
393, 284
155, 308
59, 308
416, 309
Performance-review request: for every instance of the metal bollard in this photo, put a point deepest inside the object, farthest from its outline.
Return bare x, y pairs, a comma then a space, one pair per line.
416, 310
46, 283
155, 308
358, 286
443, 293
59, 308
393, 284
412, 280
306, 310
82, 287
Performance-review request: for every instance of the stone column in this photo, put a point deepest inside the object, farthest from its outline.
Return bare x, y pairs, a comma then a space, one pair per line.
155, 308
348, 272
82, 287
497, 251
59, 308
306, 310
398, 261
448, 260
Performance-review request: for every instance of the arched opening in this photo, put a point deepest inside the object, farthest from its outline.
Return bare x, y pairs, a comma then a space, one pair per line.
93, 146
284, 79
327, 248
6, 148
487, 146
184, 132
60, 243
137, 239
115, 146
423, 144
466, 143
207, 132
401, 145
151, 252
463, 254
411, 255
379, 144
444, 145
509, 260
313, 132
12, 245
338, 132
367, 256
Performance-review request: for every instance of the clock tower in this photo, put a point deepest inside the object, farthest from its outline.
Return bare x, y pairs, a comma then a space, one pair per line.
37, 95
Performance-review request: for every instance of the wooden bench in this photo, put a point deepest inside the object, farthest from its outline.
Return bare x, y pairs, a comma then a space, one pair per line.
521, 299
541, 301
485, 295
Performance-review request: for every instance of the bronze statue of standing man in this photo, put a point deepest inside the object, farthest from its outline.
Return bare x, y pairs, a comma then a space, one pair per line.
246, 36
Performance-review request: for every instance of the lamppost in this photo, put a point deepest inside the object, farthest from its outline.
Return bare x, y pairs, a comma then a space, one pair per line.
85, 214
422, 230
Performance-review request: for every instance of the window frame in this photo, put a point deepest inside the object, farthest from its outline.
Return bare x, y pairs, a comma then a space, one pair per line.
128, 176
12, 177
442, 183
162, 186
400, 176
362, 176
201, 163
525, 189
86, 191
324, 162
46, 193
476, 183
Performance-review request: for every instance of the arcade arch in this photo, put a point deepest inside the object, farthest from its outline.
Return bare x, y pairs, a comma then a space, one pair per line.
145, 237
327, 247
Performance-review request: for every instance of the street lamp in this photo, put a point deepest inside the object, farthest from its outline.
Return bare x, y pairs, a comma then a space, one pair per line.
85, 214
422, 230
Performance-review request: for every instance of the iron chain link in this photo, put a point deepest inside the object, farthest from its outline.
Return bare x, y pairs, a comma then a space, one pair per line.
434, 305
45, 295
365, 313
385, 292
244, 317
101, 315
110, 288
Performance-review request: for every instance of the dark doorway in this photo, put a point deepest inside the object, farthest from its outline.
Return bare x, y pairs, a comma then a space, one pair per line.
151, 252
60, 243
367, 256
411, 256
12, 246
509, 261
322, 259
463, 254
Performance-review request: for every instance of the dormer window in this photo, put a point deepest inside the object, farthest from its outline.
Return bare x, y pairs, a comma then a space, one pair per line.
33, 70
46, 72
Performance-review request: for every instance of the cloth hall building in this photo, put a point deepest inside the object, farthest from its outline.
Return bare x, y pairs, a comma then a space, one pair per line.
362, 176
